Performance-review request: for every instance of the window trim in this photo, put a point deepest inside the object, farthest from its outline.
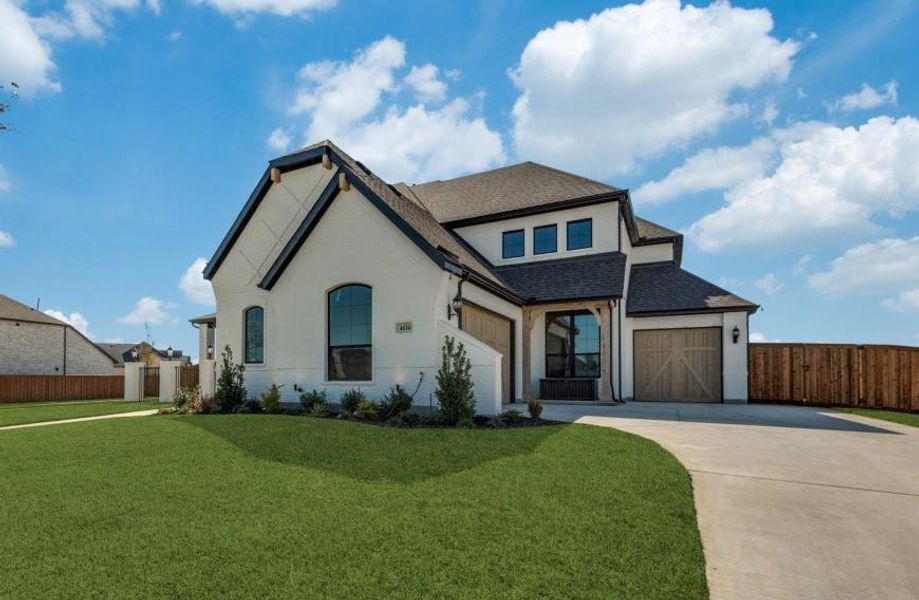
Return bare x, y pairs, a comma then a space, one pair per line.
572, 356
547, 226
328, 338
523, 248
245, 356
568, 234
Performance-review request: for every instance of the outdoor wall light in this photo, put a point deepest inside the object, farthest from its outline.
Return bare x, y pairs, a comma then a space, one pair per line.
210, 352
134, 353
455, 307
169, 352
736, 333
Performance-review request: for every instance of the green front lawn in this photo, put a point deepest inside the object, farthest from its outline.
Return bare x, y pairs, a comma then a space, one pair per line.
292, 507
886, 415
36, 412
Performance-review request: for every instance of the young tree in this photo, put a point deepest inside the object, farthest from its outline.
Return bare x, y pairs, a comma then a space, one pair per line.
454, 384
231, 388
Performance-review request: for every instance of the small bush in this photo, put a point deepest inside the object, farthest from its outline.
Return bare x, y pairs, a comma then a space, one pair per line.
231, 389
312, 397
367, 409
203, 405
183, 398
320, 408
350, 400
396, 403
534, 406
270, 399
511, 417
454, 384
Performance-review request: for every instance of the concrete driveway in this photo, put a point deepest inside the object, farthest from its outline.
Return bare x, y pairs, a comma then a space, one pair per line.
793, 502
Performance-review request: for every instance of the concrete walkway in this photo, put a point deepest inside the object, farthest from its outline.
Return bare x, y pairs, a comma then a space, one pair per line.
792, 502
138, 413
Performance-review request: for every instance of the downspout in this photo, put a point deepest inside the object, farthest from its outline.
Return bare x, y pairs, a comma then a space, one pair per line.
65, 350
619, 304
612, 385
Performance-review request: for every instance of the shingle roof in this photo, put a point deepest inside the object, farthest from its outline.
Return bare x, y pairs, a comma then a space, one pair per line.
665, 287
589, 276
648, 230
116, 351
509, 188
17, 311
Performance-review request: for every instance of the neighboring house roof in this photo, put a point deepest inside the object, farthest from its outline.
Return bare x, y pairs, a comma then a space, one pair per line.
208, 318
513, 188
117, 351
12, 310
666, 288
579, 277
17, 311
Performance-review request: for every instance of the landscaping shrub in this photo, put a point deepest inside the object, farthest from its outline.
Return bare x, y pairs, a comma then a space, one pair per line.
511, 417
231, 389
396, 403
311, 398
203, 405
454, 384
320, 408
534, 406
183, 398
350, 400
270, 399
367, 409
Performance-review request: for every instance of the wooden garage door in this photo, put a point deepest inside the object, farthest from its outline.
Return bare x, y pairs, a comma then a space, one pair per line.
494, 330
678, 365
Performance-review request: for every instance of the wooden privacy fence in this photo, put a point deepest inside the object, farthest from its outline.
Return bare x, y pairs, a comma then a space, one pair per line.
835, 375
38, 388
188, 376
150, 382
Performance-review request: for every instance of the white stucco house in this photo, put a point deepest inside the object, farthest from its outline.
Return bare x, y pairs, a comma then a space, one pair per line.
332, 278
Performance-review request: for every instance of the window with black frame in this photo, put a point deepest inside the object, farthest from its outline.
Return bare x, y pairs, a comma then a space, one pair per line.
350, 332
580, 234
572, 345
254, 343
512, 244
545, 239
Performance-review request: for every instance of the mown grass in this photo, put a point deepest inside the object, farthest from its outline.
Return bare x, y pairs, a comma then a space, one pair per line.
37, 412
243, 506
887, 415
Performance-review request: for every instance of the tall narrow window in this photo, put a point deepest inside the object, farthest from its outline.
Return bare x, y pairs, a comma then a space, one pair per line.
512, 244
580, 234
545, 239
350, 331
254, 351
572, 345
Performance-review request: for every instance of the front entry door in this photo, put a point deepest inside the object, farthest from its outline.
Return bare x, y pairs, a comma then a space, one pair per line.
496, 331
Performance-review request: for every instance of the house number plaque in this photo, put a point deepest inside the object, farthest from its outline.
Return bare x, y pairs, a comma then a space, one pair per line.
404, 327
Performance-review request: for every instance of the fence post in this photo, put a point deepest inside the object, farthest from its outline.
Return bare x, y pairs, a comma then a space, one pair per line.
207, 377
169, 379
133, 371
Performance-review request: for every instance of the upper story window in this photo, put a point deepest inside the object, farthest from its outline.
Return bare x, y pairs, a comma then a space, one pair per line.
512, 244
580, 234
545, 239
350, 333
254, 350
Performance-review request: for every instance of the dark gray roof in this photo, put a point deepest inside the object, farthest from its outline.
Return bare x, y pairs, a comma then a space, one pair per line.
117, 351
665, 287
589, 276
17, 311
510, 188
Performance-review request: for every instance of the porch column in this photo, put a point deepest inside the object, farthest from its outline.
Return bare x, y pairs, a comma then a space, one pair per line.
203, 341
606, 347
528, 320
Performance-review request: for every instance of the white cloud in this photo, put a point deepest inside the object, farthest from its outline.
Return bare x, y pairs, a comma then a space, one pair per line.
193, 284
24, 57
801, 265
356, 104
867, 97
148, 310
770, 114
713, 168
74, 319
6, 240
279, 140
769, 283
5, 184
426, 83
885, 265
597, 95
757, 337
175, 36
829, 181
907, 301
284, 8
86, 19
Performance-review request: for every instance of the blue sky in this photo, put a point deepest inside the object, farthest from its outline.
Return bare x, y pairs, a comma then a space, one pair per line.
781, 138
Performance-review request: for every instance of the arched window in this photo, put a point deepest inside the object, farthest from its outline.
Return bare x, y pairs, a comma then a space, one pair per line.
254, 331
350, 326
